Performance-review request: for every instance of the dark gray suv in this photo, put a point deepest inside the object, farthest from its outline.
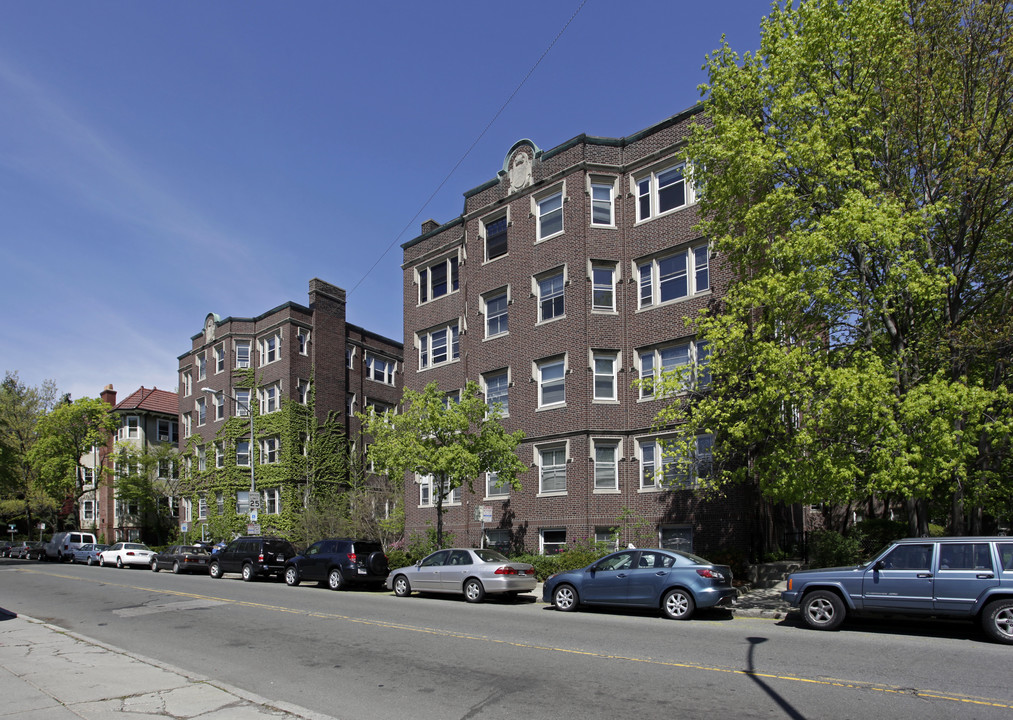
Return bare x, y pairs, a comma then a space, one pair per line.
253, 557
339, 562
954, 577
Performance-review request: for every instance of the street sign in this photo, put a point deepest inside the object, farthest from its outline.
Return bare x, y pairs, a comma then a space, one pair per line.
253, 516
254, 501
253, 529
182, 528
483, 513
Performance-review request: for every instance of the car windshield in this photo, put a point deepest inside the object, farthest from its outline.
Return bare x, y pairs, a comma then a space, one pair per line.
695, 559
134, 546
492, 556
869, 560
191, 549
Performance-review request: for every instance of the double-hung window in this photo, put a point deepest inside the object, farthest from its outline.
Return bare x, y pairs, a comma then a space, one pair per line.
243, 402
496, 237
269, 450
202, 458
438, 279
242, 502
186, 383
688, 359
662, 466
272, 501
270, 349
673, 277
439, 346
496, 305
602, 195
219, 358
604, 368
303, 338
551, 382
270, 398
202, 411
606, 465
550, 215
552, 469
603, 287
494, 488
243, 453
219, 406
550, 295
662, 191
379, 369
202, 366
219, 455
497, 388
242, 353
302, 392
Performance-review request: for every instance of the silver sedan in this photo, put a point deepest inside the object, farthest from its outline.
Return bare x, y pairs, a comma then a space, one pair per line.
471, 572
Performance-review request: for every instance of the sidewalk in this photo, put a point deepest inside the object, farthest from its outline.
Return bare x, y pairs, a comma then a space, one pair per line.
47, 673
765, 602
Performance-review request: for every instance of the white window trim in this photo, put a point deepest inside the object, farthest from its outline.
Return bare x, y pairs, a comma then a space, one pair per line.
262, 348
563, 445
428, 266
219, 354
509, 384
200, 406
652, 174
616, 358
389, 372
267, 446
536, 374
610, 182
662, 459
536, 292
536, 201
615, 267
427, 337
262, 397
616, 443
692, 380
541, 537
483, 309
653, 262
248, 344
303, 332
504, 489
483, 236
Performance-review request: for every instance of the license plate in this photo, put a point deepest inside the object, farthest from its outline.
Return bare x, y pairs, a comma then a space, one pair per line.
362, 571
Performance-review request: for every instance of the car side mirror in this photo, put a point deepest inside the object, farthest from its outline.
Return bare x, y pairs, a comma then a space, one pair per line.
880, 565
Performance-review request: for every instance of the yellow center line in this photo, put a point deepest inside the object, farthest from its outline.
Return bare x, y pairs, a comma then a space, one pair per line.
827, 682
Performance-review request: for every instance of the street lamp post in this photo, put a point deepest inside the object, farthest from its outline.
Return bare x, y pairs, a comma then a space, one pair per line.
249, 411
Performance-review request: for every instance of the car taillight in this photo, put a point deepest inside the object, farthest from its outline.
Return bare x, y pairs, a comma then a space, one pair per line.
351, 557
130, 552
260, 558
506, 571
712, 574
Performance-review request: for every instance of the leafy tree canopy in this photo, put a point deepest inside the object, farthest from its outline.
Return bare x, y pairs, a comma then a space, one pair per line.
452, 439
856, 176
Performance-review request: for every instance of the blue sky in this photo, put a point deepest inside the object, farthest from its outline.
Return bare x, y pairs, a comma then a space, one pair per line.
160, 161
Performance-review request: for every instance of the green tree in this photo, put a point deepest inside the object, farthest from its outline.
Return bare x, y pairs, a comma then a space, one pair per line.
147, 478
856, 177
65, 434
452, 439
21, 408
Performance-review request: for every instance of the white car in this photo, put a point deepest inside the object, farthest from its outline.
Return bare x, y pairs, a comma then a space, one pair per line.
123, 554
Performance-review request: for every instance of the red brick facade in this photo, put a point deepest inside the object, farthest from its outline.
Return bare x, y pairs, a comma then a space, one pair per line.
638, 169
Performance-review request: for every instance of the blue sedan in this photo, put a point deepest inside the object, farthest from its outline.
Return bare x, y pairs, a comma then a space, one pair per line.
673, 581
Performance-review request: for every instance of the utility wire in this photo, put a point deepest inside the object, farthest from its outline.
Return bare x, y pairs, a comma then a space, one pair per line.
470, 147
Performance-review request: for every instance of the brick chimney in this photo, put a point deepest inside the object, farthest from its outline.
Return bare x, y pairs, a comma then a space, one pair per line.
108, 395
429, 225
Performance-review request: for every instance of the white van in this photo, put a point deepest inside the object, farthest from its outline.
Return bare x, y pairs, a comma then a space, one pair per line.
63, 544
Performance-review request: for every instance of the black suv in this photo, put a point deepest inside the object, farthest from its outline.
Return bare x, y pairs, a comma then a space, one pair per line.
253, 557
339, 562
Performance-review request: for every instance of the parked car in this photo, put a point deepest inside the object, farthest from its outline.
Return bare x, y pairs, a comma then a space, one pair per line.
35, 550
126, 554
253, 557
5, 549
63, 544
471, 572
339, 562
88, 554
20, 549
674, 581
181, 558
955, 577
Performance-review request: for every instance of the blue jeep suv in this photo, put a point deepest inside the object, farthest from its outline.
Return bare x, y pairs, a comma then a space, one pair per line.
954, 577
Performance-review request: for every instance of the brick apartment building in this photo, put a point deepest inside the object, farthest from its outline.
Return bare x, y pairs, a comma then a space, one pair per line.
305, 357
147, 420
568, 277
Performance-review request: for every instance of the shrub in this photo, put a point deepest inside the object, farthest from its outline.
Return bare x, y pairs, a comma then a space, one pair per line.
397, 558
828, 548
878, 532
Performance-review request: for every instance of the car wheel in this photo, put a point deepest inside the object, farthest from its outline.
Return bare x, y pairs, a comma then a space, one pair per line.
175, 567
291, 576
119, 563
154, 565
247, 572
335, 580
823, 610
997, 620
678, 604
474, 592
564, 598
402, 588
90, 562
215, 570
